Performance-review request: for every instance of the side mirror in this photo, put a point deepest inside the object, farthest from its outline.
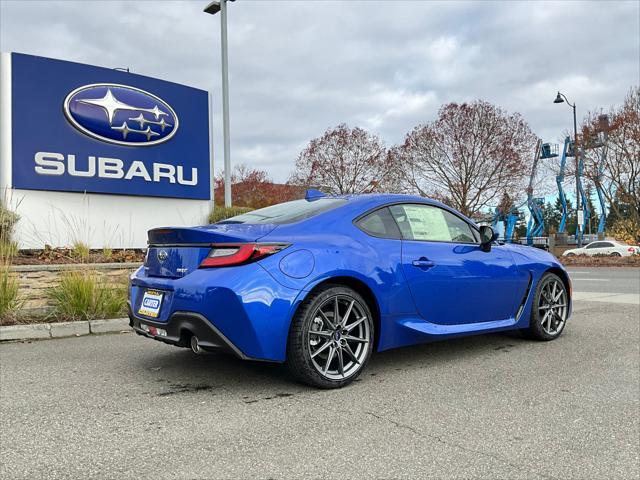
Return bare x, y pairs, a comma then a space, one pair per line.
487, 237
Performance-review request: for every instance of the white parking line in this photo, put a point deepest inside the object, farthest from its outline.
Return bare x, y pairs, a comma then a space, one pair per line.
591, 279
607, 297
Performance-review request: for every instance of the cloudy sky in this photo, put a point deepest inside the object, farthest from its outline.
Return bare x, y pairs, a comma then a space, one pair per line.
298, 67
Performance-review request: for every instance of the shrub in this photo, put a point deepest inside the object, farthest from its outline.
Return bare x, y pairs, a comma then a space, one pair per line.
9, 301
222, 213
84, 296
625, 230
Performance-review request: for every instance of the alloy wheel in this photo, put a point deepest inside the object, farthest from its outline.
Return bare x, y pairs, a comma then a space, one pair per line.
339, 337
552, 307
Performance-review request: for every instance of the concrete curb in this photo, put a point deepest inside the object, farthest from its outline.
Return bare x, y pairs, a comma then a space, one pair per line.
59, 267
39, 331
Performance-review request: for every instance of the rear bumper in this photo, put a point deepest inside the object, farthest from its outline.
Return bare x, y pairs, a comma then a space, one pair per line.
181, 326
242, 307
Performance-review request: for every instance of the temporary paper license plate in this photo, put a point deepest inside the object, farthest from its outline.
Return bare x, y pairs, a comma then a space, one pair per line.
151, 303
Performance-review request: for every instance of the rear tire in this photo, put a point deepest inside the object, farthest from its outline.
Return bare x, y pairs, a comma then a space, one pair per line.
616, 254
326, 353
550, 309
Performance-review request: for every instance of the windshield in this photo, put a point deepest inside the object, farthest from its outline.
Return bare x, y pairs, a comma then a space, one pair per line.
288, 212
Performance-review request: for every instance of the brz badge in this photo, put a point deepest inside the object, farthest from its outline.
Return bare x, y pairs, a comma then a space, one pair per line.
120, 114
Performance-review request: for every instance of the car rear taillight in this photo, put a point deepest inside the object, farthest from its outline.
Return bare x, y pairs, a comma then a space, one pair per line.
239, 253
631, 249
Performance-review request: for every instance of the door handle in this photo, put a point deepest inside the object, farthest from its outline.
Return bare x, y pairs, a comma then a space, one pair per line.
423, 263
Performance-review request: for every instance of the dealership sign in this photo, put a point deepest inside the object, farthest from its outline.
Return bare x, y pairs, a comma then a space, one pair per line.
80, 128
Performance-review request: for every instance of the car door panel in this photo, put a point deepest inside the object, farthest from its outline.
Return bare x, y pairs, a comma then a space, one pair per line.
459, 283
452, 280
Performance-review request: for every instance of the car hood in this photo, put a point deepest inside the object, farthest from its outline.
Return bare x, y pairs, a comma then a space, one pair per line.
523, 252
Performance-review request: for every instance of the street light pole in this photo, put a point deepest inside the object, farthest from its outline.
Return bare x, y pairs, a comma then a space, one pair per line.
561, 98
213, 8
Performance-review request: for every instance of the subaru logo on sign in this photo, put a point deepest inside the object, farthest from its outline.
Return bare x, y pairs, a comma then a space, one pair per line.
120, 114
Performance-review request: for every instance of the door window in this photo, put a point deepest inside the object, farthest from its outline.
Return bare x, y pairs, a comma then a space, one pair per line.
426, 222
594, 245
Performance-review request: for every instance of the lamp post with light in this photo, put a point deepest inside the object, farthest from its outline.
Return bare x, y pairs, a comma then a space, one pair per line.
213, 8
561, 98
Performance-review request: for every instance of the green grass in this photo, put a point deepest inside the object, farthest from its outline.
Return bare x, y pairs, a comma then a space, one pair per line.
222, 213
85, 296
10, 303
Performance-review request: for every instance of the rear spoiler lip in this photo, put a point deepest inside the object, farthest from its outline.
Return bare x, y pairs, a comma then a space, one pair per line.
207, 235
182, 245
208, 244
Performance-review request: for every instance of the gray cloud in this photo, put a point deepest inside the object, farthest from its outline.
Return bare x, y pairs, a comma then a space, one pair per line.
298, 67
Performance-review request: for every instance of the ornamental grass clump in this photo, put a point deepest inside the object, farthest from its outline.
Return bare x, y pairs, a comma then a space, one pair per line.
84, 296
80, 251
8, 220
10, 302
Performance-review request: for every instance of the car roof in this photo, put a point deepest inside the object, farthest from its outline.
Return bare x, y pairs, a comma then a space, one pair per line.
370, 201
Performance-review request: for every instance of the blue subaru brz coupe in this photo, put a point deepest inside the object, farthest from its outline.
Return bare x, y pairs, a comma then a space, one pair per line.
320, 283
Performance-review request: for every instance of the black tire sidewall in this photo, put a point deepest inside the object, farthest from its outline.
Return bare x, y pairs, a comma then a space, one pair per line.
535, 326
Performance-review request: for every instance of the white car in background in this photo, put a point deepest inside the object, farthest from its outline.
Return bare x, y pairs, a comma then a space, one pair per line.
604, 247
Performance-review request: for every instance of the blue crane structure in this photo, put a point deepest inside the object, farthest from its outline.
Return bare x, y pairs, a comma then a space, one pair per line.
603, 208
535, 227
600, 141
586, 211
511, 218
567, 151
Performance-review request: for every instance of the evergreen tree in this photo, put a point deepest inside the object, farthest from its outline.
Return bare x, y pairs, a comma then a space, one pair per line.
595, 212
552, 214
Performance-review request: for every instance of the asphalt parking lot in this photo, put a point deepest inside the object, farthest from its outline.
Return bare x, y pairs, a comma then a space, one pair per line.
493, 406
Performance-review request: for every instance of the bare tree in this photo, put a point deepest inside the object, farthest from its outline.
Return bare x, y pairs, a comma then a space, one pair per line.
620, 178
469, 157
342, 161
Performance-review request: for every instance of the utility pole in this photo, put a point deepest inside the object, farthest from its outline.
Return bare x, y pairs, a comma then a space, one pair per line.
561, 98
213, 8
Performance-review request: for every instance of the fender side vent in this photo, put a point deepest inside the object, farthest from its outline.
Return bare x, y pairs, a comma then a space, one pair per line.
524, 298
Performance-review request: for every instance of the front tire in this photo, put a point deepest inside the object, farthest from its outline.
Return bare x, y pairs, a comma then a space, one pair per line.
331, 338
550, 309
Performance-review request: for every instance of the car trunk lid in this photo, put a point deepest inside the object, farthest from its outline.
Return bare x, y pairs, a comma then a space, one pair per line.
177, 251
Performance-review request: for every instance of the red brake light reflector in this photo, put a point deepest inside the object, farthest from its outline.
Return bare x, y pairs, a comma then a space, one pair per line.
237, 254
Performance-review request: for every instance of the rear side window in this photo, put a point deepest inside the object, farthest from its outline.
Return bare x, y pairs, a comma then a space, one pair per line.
429, 223
288, 212
379, 224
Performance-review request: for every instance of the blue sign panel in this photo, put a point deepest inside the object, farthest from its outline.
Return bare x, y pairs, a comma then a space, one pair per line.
79, 128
